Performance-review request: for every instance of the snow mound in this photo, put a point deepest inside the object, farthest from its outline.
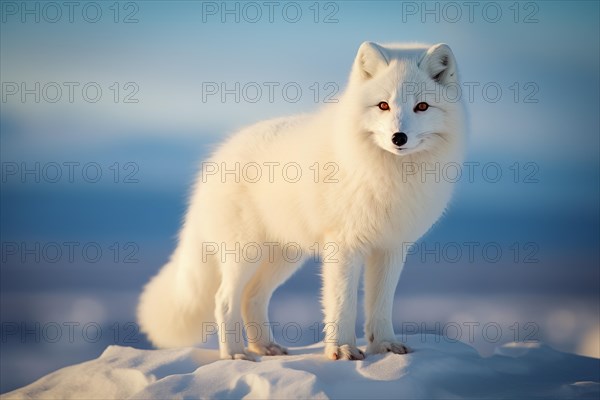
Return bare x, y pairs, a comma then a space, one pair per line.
438, 368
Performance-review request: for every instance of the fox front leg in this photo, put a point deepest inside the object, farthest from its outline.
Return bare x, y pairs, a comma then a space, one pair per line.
341, 274
382, 271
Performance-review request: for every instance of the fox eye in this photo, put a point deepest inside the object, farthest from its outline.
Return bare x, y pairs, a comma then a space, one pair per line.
383, 106
422, 106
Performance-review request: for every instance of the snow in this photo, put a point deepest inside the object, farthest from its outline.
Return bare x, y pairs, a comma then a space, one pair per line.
437, 368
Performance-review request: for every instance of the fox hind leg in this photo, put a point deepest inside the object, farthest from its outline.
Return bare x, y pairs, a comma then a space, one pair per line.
228, 313
255, 303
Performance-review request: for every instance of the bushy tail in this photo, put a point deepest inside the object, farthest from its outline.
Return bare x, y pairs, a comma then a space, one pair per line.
176, 304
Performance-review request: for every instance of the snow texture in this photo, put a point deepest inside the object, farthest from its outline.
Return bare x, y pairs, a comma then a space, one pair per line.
437, 368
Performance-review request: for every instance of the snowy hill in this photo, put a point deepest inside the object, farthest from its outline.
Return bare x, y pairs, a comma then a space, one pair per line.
437, 368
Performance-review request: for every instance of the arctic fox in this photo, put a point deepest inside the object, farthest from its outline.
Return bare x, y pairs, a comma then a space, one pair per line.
353, 191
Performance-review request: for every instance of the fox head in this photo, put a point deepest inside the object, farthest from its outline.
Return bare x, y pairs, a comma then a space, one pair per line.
407, 97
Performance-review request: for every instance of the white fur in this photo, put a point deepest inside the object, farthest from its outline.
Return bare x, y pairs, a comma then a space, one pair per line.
365, 218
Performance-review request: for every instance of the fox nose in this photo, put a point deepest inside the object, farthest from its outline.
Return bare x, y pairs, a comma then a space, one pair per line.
399, 139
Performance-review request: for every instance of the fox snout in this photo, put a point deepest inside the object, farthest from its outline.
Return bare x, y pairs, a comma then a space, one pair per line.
399, 139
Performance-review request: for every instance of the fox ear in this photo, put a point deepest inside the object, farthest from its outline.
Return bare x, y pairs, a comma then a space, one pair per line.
439, 63
370, 59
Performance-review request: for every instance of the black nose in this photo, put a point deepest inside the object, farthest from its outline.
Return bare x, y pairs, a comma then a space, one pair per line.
399, 139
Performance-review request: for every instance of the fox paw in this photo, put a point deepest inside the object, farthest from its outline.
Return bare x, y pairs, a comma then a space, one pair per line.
344, 352
387, 347
271, 349
246, 355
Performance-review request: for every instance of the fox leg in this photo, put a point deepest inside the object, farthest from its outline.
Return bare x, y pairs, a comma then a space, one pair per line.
341, 274
228, 314
382, 271
255, 303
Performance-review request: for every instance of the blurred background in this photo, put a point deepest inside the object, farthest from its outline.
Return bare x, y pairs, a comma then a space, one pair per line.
108, 108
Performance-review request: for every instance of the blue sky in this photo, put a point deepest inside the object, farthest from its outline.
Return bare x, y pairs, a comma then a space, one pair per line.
170, 51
